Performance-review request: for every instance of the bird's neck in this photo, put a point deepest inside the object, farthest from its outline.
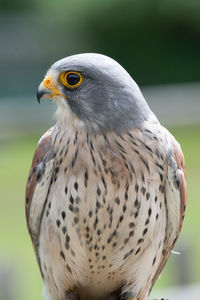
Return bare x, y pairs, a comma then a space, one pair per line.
67, 120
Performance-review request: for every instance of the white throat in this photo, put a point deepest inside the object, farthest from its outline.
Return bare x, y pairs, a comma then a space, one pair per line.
66, 118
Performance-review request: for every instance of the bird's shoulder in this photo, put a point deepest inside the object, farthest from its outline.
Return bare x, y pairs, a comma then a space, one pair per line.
176, 165
175, 195
175, 182
39, 178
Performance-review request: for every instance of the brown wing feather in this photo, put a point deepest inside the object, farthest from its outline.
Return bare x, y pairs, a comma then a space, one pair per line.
35, 201
42, 151
178, 158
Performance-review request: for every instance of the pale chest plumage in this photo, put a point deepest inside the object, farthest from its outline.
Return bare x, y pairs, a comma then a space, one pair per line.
105, 214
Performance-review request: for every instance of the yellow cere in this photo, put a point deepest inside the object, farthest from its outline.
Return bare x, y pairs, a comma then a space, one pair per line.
49, 84
71, 79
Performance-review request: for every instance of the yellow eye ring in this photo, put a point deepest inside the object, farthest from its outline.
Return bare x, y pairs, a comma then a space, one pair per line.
71, 79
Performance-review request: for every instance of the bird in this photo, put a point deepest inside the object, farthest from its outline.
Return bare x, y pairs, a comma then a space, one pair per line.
106, 193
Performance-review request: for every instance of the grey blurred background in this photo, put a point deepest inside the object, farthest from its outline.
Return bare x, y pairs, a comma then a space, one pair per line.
158, 42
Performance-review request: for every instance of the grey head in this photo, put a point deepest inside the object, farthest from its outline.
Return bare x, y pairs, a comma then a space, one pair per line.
107, 99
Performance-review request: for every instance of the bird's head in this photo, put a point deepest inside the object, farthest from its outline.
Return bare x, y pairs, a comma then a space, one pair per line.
95, 90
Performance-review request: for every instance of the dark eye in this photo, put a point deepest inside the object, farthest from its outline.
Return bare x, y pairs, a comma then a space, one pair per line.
71, 79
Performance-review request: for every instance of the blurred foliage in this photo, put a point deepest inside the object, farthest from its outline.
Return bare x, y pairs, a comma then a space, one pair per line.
15, 245
156, 41
12, 5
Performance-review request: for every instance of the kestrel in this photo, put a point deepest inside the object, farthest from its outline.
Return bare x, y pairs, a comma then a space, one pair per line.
106, 193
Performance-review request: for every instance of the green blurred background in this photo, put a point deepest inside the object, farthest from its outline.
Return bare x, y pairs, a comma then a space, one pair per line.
158, 42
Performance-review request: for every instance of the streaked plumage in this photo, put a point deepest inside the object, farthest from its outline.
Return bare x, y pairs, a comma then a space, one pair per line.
106, 192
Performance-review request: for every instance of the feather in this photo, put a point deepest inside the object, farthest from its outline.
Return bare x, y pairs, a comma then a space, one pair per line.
37, 186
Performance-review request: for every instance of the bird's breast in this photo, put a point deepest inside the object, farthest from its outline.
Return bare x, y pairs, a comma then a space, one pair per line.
101, 213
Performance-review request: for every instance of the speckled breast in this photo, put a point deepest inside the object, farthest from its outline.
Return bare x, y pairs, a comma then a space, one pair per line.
104, 208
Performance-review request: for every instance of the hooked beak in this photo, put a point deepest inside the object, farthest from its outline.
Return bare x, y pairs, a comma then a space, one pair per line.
47, 89
42, 93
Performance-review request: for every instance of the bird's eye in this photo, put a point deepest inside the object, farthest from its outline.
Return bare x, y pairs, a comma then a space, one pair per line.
71, 79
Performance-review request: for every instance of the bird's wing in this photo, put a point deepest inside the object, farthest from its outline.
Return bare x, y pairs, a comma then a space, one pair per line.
38, 185
175, 198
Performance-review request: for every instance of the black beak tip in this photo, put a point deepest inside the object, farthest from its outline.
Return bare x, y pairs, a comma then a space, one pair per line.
40, 93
